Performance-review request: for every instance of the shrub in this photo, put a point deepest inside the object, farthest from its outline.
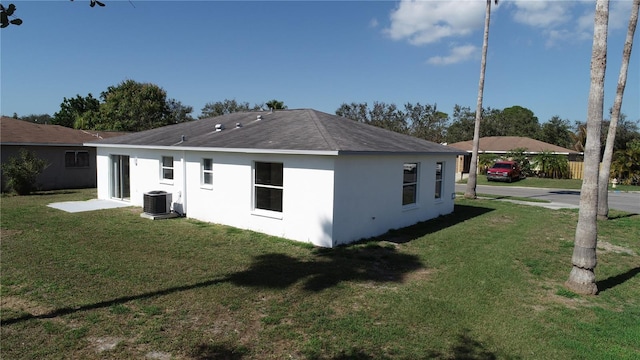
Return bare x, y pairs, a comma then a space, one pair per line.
22, 170
485, 161
552, 165
518, 155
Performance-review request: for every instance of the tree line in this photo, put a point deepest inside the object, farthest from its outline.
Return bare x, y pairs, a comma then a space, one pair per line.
134, 106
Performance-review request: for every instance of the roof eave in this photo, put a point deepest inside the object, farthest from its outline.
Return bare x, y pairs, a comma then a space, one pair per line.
41, 144
220, 149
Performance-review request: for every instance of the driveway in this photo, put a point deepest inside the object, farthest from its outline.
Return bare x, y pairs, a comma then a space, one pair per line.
624, 201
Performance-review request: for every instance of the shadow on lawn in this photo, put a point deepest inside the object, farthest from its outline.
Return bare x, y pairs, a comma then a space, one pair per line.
217, 352
461, 213
112, 302
466, 347
328, 268
614, 281
369, 263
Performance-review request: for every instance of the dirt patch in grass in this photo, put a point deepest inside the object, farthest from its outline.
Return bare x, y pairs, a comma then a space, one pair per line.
6, 234
158, 355
608, 247
419, 275
18, 304
105, 343
501, 220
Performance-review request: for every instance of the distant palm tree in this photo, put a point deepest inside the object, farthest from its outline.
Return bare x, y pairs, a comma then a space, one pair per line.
579, 137
470, 192
275, 104
582, 278
603, 181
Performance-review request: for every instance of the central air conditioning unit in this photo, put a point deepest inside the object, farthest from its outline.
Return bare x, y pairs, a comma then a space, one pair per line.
157, 202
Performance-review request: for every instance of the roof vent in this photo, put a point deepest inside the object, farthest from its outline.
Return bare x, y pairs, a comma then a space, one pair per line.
219, 127
238, 125
259, 117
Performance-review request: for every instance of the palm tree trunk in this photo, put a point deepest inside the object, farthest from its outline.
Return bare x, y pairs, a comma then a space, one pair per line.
472, 181
582, 278
603, 182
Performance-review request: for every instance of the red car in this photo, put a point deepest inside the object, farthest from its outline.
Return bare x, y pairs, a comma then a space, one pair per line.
504, 171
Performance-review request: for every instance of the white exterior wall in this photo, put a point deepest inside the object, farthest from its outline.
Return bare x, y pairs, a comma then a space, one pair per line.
368, 195
307, 195
144, 167
367, 200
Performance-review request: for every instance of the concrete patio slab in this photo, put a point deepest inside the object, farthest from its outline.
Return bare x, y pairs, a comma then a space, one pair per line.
89, 205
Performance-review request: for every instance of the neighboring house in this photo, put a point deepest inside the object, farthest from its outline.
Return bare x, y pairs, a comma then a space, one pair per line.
500, 145
70, 164
298, 174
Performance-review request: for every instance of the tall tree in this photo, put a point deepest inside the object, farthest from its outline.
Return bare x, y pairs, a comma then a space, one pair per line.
129, 106
37, 118
603, 185
224, 107
582, 278
512, 121
354, 111
178, 112
73, 108
470, 192
556, 131
426, 122
462, 124
388, 116
381, 114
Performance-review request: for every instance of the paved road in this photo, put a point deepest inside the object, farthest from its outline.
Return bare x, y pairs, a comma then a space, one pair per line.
625, 201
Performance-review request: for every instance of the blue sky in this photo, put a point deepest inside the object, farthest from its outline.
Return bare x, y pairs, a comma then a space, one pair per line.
314, 54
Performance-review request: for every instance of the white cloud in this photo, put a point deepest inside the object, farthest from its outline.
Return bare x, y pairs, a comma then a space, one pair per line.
426, 22
542, 14
456, 55
373, 23
567, 21
619, 12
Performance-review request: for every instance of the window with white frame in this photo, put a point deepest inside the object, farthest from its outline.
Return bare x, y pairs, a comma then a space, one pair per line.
207, 172
268, 186
78, 159
166, 171
439, 169
410, 184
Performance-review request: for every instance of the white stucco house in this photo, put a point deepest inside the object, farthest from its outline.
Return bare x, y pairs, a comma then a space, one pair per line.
299, 174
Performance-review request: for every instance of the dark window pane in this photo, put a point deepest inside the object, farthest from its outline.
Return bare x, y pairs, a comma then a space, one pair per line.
207, 164
82, 159
408, 194
269, 199
69, 159
269, 174
167, 174
167, 161
410, 173
208, 178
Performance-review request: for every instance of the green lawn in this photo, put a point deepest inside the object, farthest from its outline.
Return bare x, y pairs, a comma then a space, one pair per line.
574, 184
483, 283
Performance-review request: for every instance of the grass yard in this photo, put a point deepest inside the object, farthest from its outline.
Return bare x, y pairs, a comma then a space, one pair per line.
483, 283
573, 184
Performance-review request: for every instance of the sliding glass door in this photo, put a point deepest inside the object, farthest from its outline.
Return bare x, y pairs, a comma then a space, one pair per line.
120, 185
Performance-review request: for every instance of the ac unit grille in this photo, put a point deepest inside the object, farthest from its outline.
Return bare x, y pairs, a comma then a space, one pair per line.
157, 202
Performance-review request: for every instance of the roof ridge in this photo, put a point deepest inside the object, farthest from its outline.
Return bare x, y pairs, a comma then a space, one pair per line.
322, 129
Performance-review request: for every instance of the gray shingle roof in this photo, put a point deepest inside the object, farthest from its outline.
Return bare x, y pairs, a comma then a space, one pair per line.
293, 130
19, 132
508, 143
